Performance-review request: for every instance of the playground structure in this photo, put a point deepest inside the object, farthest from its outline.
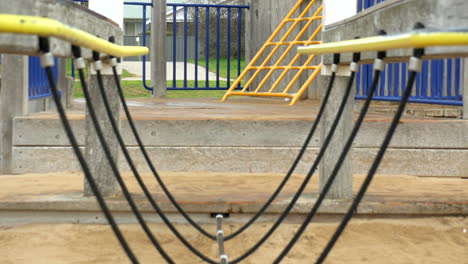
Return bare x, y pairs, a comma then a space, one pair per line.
461, 209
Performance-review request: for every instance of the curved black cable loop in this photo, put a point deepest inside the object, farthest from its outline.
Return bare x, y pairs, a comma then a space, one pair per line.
83, 163
138, 176
112, 163
270, 200
327, 141
418, 53
336, 169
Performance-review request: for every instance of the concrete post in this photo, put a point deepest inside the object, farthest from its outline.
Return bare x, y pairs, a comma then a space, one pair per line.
343, 185
94, 153
465, 89
158, 49
13, 103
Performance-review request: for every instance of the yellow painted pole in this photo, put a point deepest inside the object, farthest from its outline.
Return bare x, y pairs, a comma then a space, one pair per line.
46, 27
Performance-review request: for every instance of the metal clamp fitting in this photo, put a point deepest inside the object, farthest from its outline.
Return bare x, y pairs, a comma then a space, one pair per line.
80, 63
415, 64
114, 62
334, 68
98, 65
224, 259
379, 65
47, 60
354, 67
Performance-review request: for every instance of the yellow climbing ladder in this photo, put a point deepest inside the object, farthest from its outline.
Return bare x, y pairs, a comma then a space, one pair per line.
301, 23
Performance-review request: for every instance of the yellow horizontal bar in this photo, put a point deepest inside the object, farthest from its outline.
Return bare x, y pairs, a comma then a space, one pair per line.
283, 67
411, 40
46, 27
301, 42
303, 19
262, 94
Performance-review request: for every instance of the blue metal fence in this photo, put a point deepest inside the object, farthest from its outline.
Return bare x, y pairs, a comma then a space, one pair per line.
440, 82
189, 16
38, 84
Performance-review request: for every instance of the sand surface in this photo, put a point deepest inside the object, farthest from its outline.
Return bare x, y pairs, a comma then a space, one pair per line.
426, 240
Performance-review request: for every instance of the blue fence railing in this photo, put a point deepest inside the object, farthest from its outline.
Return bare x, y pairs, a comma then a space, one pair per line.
440, 82
38, 83
217, 57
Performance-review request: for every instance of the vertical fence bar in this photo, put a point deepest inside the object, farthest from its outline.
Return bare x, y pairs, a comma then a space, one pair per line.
458, 78
143, 43
185, 46
218, 43
207, 47
229, 14
449, 79
197, 18
239, 42
397, 80
174, 46
425, 79
403, 75
382, 83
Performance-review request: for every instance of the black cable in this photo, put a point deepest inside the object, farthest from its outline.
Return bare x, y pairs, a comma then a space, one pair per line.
336, 169
418, 53
137, 174
113, 165
270, 200
82, 161
356, 58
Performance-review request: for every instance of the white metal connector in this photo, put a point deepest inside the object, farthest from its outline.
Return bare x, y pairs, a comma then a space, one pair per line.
334, 67
98, 65
415, 64
114, 62
379, 65
47, 60
224, 259
354, 67
80, 63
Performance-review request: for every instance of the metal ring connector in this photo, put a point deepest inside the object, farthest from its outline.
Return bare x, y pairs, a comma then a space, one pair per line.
223, 259
80, 63
379, 65
98, 65
415, 64
114, 62
354, 67
334, 67
47, 60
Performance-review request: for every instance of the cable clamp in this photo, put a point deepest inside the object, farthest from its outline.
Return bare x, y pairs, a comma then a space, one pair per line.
47, 60
114, 62
98, 65
379, 65
334, 68
354, 67
224, 259
80, 63
415, 64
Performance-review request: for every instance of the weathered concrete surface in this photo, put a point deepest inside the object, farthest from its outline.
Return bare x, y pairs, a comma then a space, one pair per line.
64, 11
242, 136
342, 187
398, 16
13, 103
94, 151
237, 193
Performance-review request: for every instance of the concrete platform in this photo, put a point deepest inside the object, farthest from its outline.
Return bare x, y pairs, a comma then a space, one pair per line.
57, 197
251, 135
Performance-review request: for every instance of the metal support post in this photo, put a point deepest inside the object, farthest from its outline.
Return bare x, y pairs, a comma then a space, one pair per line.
223, 258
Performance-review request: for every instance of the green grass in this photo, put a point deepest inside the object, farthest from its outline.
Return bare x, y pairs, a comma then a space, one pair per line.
134, 89
222, 66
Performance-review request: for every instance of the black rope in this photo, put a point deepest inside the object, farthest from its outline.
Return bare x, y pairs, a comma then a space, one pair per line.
336, 169
327, 141
270, 200
418, 53
137, 174
82, 161
112, 163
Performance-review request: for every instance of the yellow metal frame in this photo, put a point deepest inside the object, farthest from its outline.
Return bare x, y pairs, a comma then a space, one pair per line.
409, 40
46, 27
278, 64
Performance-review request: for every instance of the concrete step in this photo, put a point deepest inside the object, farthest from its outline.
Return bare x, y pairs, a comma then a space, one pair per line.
424, 147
